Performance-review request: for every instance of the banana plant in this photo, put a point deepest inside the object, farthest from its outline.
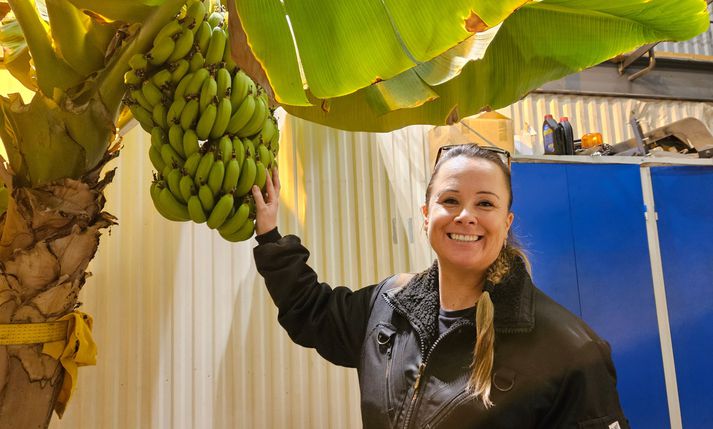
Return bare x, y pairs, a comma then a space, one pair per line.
380, 65
73, 54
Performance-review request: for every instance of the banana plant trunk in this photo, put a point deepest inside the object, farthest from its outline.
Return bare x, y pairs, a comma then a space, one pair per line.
50, 233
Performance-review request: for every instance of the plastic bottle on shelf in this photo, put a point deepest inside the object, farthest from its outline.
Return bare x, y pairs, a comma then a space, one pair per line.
567, 136
549, 130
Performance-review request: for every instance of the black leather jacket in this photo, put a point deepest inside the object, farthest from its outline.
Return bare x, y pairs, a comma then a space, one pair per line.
550, 371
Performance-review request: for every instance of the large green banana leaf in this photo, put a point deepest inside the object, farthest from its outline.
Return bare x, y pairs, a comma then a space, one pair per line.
378, 65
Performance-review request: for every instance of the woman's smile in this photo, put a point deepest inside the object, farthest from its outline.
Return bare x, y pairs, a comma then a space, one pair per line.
464, 237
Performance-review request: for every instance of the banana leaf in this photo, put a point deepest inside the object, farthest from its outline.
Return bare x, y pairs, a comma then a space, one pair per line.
381, 65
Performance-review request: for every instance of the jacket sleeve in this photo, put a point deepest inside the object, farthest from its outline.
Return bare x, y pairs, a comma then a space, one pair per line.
587, 398
331, 320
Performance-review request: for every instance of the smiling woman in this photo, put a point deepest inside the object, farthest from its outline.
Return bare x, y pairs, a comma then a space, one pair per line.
469, 342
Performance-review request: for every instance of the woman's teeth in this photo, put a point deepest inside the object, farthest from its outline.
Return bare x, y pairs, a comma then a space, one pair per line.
461, 237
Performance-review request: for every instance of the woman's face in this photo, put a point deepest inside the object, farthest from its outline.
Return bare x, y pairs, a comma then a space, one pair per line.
467, 216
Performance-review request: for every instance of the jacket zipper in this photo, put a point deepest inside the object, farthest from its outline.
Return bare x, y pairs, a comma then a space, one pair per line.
421, 371
422, 367
389, 406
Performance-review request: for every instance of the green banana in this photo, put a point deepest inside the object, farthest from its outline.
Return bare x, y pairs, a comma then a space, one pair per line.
263, 154
158, 137
132, 79
138, 62
242, 115
183, 45
164, 174
195, 14
162, 49
180, 90
169, 30
256, 120
186, 186
225, 148
224, 82
236, 221
269, 128
173, 178
156, 160
174, 111
155, 192
142, 115
249, 148
137, 95
216, 175
202, 38
206, 121
206, 197
222, 117
196, 62
204, 166
172, 206
195, 209
216, 19
152, 93
159, 115
194, 87
209, 90
242, 85
191, 164
162, 79
170, 156
190, 142
271, 163
220, 211
274, 144
232, 174
175, 139
261, 175
216, 46
248, 171
242, 234
179, 69
189, 114
228, 58
239, 150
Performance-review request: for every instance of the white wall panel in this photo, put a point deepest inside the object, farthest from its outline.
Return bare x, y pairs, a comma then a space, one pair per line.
187, 334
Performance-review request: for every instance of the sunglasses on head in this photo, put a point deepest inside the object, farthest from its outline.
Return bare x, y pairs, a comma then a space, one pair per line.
500, 152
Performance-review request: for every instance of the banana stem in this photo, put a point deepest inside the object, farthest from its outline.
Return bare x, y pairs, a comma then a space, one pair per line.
111, 80
51, 71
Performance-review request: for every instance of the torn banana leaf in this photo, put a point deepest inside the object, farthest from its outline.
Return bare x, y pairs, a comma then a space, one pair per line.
378, 66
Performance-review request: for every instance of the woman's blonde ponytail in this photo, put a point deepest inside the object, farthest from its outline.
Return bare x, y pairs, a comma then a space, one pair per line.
480, 382
480, 378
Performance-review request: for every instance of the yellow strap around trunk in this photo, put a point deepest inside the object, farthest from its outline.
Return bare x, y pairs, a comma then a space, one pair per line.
75, 349
32, 333
68, 340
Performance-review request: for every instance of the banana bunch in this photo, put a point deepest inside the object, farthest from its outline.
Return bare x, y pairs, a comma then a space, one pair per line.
213, 135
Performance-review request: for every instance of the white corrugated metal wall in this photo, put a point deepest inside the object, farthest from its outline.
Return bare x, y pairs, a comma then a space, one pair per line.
188, 336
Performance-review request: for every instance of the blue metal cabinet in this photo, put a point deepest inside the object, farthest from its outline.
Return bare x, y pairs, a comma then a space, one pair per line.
544, 227
684, 203
584, 228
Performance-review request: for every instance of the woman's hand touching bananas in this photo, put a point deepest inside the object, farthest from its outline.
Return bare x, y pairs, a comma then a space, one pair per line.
266, 207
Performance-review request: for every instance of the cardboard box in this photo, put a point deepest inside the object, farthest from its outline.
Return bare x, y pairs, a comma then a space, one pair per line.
485, 129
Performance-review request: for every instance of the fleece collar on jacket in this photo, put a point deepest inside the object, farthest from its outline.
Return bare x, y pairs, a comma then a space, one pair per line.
513, 300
